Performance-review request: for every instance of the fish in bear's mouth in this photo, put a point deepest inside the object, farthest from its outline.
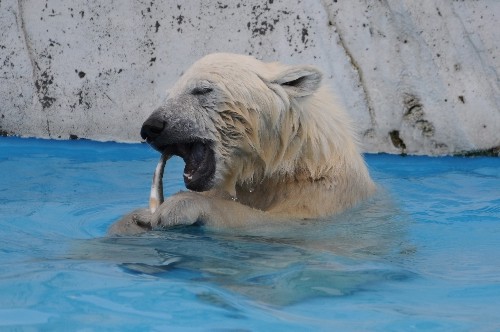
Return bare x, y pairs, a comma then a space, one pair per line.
199, 157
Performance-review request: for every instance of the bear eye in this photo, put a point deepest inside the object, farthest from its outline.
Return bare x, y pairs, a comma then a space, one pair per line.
201, 90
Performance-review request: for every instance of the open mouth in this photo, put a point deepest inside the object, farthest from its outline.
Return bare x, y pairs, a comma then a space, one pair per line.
200, 163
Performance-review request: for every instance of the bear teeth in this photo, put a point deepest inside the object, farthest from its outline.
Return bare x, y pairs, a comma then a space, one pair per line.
188, 176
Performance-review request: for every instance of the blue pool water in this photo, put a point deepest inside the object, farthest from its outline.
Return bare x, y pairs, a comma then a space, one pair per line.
424, 254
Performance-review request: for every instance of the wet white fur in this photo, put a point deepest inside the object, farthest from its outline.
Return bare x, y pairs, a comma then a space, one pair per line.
285, 150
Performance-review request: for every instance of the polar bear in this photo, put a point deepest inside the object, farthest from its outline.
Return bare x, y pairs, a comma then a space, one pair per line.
262, 143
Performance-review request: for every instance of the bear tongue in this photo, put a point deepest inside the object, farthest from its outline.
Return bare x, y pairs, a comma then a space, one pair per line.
194, 159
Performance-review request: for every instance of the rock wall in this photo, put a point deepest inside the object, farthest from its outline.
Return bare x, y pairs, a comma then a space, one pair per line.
418, 77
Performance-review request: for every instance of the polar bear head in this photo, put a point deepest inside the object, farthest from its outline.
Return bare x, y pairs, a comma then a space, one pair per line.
235, 119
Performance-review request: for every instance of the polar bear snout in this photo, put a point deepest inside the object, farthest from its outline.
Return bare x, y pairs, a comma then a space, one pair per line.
173, 133
152, 128
165, 127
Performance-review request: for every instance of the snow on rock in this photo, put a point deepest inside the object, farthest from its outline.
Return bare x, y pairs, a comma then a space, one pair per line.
418, 77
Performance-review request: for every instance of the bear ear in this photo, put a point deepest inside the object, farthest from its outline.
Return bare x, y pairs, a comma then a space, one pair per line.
299, 81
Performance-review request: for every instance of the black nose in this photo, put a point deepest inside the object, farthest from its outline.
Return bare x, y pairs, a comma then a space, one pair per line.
152, 128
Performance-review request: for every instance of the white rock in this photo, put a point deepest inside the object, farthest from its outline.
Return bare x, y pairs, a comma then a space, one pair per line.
419, 77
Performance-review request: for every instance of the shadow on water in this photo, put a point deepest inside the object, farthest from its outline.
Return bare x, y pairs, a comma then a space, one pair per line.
274, 265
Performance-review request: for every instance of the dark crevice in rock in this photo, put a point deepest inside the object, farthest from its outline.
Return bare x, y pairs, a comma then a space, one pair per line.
492, 152
397, 141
